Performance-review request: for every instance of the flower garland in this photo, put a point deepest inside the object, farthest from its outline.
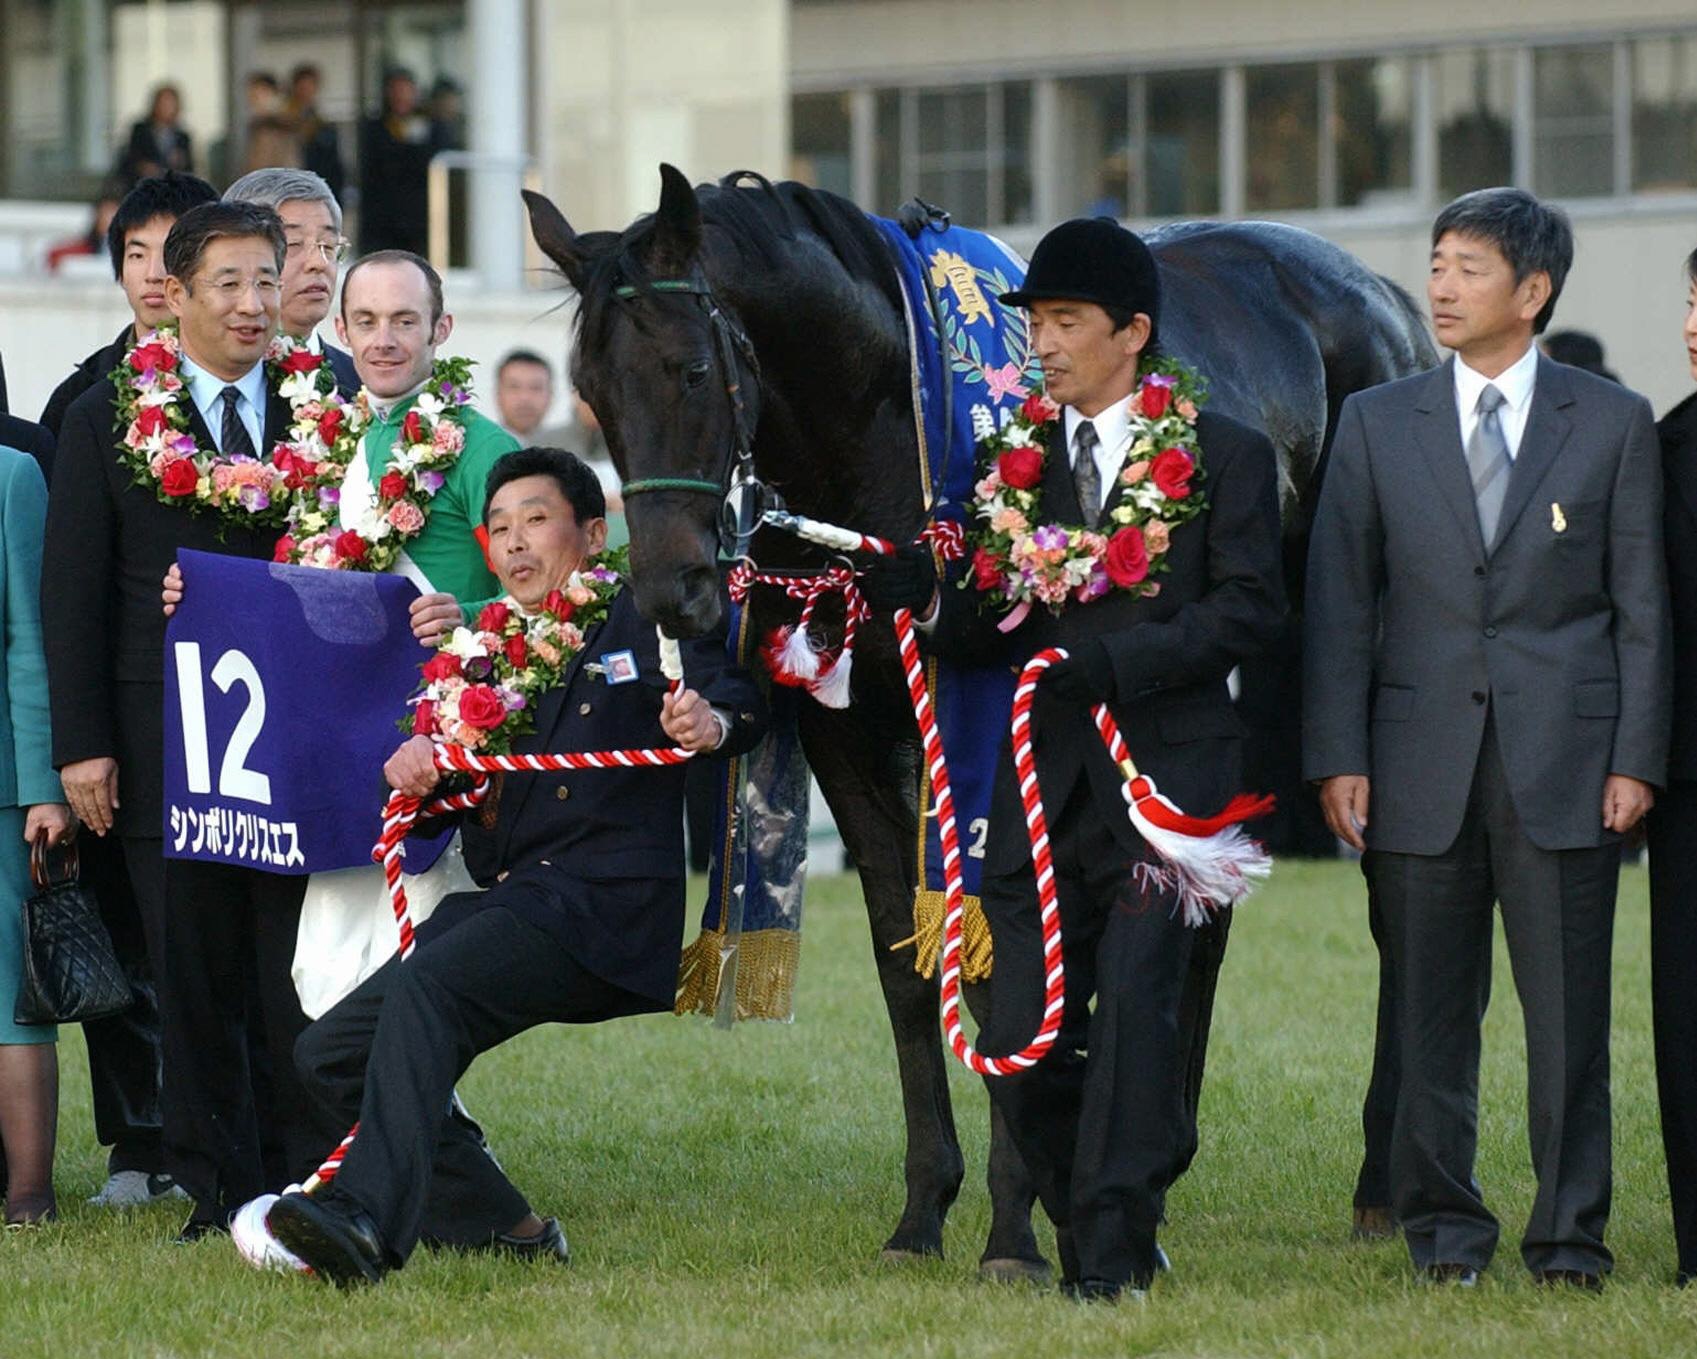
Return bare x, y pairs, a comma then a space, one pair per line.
1019, 559
324, 426
156, 445
482, 686
426, 447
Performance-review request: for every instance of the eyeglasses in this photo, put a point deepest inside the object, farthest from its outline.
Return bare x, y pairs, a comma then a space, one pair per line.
231, 288
333, 249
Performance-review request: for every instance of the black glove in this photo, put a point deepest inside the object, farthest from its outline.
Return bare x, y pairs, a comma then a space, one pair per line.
1085, 676
905, 580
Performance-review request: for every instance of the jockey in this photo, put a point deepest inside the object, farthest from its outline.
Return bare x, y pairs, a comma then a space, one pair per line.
1106, 1120
580, 921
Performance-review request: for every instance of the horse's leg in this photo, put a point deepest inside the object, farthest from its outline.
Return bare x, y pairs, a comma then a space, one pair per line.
863, 774
1011, 1253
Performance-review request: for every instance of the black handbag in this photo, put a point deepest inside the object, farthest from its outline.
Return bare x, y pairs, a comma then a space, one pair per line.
71, 971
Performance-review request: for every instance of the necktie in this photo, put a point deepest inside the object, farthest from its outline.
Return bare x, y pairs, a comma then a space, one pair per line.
1084, 474
237, 442
1488, 463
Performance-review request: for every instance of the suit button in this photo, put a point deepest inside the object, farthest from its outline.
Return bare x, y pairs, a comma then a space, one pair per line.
1490, 632
583, 709
562, 793
1478, 695
1478, 570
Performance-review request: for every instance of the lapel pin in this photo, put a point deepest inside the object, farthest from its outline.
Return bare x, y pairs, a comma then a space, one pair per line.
1558, 520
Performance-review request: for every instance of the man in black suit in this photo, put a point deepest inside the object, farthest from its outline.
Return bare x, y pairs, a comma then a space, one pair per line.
1106, 1121
1672, 826
135, 239
1487, 709
28, 437
109, 543
581, 919
313, 250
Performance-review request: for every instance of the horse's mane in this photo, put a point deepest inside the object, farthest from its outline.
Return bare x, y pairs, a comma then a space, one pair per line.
761, 220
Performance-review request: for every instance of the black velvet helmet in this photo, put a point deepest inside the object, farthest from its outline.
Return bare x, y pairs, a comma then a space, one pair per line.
1092, 259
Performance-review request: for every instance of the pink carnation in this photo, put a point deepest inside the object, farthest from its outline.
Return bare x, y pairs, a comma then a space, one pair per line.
448, 438
1156, 534
406, 517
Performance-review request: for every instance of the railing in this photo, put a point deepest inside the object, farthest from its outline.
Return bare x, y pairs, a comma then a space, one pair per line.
436, 196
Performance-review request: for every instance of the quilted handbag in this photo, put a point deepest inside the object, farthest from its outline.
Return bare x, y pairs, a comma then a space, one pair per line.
71, 971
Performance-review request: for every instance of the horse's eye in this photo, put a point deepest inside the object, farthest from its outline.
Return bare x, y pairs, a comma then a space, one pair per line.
696, 374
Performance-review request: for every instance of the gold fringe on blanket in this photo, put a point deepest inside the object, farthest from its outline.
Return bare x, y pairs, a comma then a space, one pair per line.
766, 968
927, 936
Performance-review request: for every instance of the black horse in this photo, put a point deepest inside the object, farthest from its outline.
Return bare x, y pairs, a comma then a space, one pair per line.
771, 314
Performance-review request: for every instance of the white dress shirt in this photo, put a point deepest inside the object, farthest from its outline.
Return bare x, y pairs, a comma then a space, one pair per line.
1113, 442
206, 390
1515, 383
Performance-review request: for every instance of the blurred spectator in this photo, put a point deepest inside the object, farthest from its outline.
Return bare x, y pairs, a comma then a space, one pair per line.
31, 803
1579, 349
524, 390
92, 241
590, 444
158, 142
321, 149
394, 168
271, 134
447, 113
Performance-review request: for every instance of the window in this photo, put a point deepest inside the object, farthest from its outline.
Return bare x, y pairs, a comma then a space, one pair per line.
1095, 152
1573, 121
952, 168
1664, 114
820, 141
1182, 174
1373, 131
1473, 100
967, 149
893, 187
1283, 141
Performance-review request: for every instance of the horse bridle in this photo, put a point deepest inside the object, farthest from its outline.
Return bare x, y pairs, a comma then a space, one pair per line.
737, 482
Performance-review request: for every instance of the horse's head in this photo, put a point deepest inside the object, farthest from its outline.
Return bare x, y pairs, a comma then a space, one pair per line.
671, 376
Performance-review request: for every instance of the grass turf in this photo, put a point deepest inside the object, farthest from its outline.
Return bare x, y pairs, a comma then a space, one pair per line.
727, 1195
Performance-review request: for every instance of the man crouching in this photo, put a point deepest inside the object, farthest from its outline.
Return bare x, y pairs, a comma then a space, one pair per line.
581, 919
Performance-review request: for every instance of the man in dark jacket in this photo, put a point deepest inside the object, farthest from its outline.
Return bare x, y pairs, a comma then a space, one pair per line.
136, 242
1106, 1121
580, 921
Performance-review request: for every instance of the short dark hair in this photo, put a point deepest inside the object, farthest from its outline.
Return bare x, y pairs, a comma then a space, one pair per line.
431, 277
307, 70
524, 356
168, 195
1691, 267
200, 226
1534, 237
264, 78
577, 482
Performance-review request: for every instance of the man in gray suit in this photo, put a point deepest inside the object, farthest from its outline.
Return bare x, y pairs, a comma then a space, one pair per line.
1487, 711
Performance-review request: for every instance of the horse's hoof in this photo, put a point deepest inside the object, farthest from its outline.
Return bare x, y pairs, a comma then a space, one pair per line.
899, 1255
1014, 1271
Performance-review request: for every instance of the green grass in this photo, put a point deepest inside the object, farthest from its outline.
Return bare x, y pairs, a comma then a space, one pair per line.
726, 1195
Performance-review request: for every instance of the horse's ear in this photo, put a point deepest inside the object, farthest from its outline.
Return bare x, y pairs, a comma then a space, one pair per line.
555, 236
677, 221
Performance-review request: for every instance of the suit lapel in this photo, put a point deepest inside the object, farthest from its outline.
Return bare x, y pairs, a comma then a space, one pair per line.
277, 415
1060, 491
1546, 431
1438, 438
1679, 451
198, 429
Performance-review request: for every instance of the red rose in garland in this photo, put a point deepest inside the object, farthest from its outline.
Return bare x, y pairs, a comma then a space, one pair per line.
1127, 562
1021, 468
481, 707
517, 651
1153, 400
155, 356
987, 569
180, 477
424, 718
1171, 472
393, 486
412, 428
493, 618
330, 425
1038, 409
350, 545
285, 547
150, 420
558, 605
443, 665
301, 361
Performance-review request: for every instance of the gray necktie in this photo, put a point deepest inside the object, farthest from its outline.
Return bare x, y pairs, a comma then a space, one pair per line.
237, 442
1488, 463
1084, 474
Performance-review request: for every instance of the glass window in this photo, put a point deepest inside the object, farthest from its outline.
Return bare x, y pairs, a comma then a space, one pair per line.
819, 142
1573, 121
1283, 143
1373, 130
1473, 100
893, 185
1182, 165
1017, 204
1664, 114
953, 169
1094, 169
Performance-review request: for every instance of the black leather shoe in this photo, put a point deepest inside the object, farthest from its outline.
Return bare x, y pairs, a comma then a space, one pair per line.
197, 1227
1570, 1278
548, 1244
335, 1239
1450, 1272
